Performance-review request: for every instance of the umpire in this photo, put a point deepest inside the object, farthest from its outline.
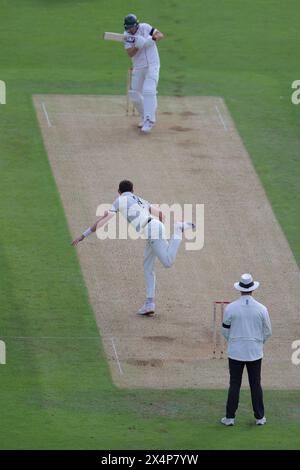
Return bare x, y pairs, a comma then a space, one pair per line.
246, 326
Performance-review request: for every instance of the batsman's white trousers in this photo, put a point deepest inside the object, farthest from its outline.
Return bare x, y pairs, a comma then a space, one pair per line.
143, 91
158, 247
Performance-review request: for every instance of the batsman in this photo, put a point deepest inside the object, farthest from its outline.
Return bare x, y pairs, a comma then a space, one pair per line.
140, 43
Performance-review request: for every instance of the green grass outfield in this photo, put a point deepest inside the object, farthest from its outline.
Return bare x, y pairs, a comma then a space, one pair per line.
56, 390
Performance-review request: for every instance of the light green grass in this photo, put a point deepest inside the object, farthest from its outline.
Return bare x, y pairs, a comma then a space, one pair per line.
57, 393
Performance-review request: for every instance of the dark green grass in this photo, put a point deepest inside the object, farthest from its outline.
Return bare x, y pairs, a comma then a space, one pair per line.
57, 392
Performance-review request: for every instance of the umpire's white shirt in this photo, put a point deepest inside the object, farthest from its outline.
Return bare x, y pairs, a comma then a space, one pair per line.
246, 326
147, 55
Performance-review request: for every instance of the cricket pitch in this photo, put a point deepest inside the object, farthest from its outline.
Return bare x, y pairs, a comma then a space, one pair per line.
194, 155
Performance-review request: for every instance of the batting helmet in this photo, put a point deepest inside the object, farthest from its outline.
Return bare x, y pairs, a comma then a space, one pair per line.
130, 21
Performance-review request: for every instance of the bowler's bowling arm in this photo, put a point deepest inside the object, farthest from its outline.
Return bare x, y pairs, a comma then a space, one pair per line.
100, 222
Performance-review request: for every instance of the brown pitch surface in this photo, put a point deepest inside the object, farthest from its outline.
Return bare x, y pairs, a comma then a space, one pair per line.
194, 155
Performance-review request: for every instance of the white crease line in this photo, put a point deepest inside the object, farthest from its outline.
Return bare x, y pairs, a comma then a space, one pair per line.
116, 354
46, 114
79, 113
221, 118
52, 337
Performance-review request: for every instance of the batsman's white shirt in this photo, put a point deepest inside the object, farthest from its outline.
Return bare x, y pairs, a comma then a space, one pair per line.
135, 209
246, 326
147, 55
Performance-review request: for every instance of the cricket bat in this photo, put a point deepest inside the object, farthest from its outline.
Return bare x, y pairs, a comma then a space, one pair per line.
113, 37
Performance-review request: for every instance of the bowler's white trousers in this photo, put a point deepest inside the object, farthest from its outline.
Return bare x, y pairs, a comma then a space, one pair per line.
143, 91
158, 246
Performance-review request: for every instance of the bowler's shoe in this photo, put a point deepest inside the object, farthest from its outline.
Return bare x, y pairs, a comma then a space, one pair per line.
147, 309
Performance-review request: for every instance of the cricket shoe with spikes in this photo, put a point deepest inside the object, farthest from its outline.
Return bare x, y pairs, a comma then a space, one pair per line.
147, 309
147, 126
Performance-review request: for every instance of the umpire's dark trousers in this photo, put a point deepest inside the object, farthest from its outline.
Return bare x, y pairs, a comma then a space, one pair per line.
254, 374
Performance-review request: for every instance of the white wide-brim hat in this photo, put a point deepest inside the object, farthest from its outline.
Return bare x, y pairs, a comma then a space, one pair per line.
246, 283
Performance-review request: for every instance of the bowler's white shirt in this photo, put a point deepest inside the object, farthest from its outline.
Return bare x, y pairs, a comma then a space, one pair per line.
147, 55
135, 209
250, 326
